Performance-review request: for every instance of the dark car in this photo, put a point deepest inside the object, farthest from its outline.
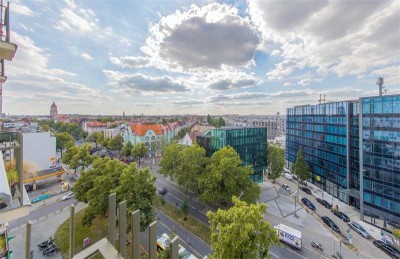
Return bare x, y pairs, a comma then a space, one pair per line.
163, 191
28, 187
330, 224
324, 203
308, 203
387, 248
305, 189
341, 215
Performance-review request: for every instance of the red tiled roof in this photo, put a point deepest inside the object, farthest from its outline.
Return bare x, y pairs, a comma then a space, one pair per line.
141, 129
94, 124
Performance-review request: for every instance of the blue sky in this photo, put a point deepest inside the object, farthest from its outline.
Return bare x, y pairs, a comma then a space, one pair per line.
216, 57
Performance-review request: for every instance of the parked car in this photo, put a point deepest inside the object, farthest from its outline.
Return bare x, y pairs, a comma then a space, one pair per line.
305, 189
341, 215
387, 248
286, 187
359, 229
68, 196
308, 203
29, 187
288, 176
324, 203
330, 224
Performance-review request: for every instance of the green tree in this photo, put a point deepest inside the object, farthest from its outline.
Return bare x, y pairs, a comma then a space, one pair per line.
63, 140
106, 175
117, 143
127, 149
192, 165
70, 157
185, 207
96, 137
137, 188
276, 162
170, 160
106, 143
241, 231
77, 156
139, 151
225, 176
300, 166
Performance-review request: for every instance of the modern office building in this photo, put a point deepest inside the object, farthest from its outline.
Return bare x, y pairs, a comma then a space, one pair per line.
380, 156
342, 139
249, 142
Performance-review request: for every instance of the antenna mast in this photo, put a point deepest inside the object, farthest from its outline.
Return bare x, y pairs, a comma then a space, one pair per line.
379, 82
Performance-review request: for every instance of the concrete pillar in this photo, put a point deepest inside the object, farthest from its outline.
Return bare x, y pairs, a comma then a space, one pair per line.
136, 234
122, 228
153, 240
72, 231
112, 211
28, 240
175, 248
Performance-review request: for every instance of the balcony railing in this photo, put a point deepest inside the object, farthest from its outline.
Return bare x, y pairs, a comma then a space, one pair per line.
5, 21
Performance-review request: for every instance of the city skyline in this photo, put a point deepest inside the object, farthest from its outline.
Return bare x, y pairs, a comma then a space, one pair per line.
164, 58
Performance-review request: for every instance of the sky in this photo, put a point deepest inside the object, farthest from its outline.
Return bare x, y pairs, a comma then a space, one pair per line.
198, 57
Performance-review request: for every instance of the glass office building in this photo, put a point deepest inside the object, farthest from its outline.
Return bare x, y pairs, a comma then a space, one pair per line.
249, 142
352, 150
380, 157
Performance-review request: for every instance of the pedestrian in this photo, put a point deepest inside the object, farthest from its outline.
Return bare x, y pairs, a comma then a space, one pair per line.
188, 241
173, 228
31, 254
176, 204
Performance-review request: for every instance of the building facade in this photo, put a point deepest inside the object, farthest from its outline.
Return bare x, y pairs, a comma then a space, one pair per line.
352, 150
249, 142
379, 138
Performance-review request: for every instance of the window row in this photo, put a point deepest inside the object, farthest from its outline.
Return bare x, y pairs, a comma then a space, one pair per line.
385, 176
391, 136
382, 202
381, 104
393, 122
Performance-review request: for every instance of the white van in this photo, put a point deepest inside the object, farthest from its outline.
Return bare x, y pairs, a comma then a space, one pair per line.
288, 176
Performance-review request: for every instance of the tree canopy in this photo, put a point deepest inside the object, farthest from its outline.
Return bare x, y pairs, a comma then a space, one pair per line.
63, 140
107, 176
241, 231
127, 149
139, 150
225, 176
276, 162
96, 137
77, 156
171, 159
117, 143
300, 166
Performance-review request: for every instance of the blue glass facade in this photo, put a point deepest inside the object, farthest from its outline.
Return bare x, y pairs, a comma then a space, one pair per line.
352, 150
380, 141
322, 132
249, 142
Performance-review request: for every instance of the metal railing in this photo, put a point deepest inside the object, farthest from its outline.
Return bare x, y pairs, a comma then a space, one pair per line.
5, 21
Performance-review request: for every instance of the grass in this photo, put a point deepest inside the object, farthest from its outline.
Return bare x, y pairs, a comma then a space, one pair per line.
95, 232
193, 225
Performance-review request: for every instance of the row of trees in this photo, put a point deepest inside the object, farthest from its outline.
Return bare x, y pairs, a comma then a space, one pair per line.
106, 176
115, 143
78, 156
72, 128
137, 151
276, 162
216, 179
218, 123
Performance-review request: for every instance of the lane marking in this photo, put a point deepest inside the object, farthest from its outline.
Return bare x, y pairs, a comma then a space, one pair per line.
274, 254
296, 253
188, 231
321, 255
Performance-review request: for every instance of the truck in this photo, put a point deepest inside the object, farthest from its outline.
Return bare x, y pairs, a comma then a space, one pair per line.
163, 242
289, 235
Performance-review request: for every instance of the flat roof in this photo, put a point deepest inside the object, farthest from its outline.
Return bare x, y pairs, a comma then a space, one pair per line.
240, 127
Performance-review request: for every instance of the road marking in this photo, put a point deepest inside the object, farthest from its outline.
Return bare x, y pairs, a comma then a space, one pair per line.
321, 255
182, 238
296, 253
274, 254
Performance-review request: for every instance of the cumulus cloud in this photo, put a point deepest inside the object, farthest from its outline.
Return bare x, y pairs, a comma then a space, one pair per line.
282, 70
391, 75
288, 84
81, 21
131, 62
86, 56
20, 9
208, 37
143, 83
226, 84
337, 37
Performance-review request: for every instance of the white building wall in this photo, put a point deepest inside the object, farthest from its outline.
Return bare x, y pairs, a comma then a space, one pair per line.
39, 149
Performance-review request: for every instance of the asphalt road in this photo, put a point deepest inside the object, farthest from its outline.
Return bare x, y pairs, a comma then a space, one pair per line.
197, 210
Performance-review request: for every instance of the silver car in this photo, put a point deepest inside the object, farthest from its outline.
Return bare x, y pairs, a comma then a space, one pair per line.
359, 229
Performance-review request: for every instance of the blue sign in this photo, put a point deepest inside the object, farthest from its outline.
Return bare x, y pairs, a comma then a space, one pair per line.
41, 198
289, 236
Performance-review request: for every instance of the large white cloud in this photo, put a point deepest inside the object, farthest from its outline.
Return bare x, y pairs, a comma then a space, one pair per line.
140, 83
339, 37
207, 37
